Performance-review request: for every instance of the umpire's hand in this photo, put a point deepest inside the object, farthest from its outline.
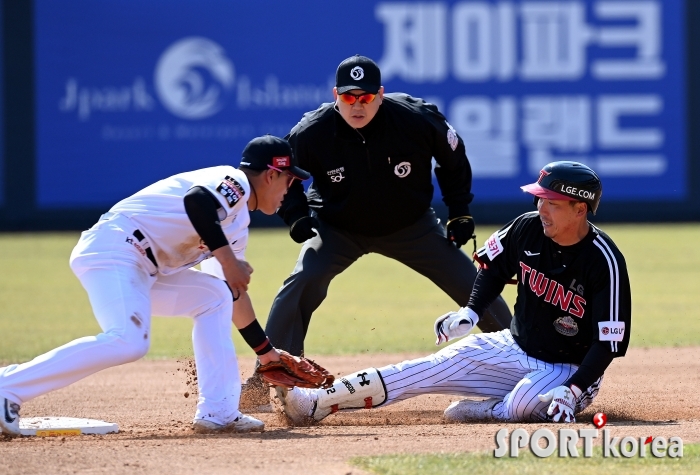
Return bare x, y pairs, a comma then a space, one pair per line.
303, 229
460, 230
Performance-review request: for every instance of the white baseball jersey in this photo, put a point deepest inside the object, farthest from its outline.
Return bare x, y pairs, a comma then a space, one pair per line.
159, 212
125, 289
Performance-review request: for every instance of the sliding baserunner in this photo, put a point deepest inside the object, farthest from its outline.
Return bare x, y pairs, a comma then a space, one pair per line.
572, 317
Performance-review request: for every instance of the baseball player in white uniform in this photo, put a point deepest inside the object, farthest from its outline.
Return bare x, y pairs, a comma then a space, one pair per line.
137, 261
572, 318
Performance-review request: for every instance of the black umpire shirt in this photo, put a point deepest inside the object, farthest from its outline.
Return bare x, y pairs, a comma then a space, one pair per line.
377, 180
573, 303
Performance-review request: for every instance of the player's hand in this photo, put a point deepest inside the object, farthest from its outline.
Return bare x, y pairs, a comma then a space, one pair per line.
237, 273
270, 356
302, 229
460, 230
455, 324
562, 401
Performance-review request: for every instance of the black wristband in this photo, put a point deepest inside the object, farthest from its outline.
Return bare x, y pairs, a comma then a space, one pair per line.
256, 338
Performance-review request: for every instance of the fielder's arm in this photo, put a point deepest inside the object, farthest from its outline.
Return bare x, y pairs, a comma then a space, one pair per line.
247, 324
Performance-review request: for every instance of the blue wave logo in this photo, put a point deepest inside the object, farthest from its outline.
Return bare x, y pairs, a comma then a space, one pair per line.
192, 78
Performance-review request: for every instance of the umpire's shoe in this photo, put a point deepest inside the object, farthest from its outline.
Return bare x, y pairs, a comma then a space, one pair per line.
9, 420
241, 424
468, 410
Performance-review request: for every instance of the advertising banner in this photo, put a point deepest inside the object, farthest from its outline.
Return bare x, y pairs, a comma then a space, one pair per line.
129, 92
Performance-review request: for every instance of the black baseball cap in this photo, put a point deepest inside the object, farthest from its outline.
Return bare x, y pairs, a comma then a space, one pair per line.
273, 151
358, 72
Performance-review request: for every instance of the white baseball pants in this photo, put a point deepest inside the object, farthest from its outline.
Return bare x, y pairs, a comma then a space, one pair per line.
124, 291
485, 365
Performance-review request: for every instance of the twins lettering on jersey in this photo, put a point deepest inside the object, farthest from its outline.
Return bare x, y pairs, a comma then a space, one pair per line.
231, 190
554, 293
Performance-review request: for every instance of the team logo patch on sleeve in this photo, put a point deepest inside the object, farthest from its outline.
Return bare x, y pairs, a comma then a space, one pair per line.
231, 190
611, 331
452, 138
493, 246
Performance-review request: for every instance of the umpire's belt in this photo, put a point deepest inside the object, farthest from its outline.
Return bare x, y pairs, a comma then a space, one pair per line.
146, 246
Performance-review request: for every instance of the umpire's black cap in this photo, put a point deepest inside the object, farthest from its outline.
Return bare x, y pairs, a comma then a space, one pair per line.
269, 151
358, 72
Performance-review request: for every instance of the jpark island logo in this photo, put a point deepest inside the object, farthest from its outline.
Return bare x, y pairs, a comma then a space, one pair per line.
544, 443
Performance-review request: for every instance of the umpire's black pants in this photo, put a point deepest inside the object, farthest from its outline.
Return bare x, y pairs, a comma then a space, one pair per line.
422, 246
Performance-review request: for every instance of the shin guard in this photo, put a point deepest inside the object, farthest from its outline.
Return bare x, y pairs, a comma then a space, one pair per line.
360, 390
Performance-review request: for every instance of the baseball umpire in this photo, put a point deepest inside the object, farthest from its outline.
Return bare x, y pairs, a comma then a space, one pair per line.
572, 317
138, 259
370, 156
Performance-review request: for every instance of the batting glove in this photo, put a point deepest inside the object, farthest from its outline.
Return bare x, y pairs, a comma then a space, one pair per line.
302, 229
460, 230
563, 402
455, 324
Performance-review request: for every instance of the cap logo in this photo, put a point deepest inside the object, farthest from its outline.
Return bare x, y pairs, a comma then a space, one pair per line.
281, 161
357, 73
543, 174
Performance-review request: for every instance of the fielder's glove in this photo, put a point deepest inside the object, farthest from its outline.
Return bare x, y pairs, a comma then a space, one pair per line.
460, 230
302, 229
455, 324
563, 403
292, 371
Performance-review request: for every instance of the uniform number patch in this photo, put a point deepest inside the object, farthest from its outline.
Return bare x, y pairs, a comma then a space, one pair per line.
231, 190
611, 331
493, 246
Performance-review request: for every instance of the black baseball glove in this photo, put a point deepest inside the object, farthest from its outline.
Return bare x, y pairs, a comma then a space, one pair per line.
460, 230
302, 229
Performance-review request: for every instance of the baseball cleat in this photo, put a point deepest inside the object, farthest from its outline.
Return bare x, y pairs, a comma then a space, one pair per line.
9, 419
255, 394
300, 405
241, 424
468, 410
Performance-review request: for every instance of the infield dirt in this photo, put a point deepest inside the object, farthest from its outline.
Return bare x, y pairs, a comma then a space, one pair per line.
650, 392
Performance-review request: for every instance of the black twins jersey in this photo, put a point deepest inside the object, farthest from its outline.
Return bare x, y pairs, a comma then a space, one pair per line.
568, 296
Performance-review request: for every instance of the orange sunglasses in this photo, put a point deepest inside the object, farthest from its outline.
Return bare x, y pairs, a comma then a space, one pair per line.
351, 99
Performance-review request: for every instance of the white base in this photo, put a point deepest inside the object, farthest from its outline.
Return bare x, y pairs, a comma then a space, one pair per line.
64, 426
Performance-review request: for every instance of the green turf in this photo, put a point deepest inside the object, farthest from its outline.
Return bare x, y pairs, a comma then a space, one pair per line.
377, 305
479, 463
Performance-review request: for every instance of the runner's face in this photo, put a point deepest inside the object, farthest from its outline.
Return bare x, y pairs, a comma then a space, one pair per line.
561, 219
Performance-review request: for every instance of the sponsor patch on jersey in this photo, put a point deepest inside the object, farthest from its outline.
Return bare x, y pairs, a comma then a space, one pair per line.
611, 331
493, 246
566, 326
231, 190
452, 138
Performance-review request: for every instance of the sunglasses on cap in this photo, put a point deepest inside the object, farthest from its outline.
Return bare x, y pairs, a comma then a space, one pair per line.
350, 98
286, 173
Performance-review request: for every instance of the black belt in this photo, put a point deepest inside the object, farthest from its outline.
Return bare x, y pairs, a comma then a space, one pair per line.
149, 253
